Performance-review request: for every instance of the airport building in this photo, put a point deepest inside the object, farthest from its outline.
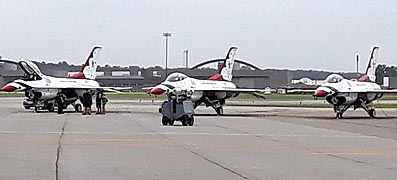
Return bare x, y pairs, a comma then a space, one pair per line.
387, 76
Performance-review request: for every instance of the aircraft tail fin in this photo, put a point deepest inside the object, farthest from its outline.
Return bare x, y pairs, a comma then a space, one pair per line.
88, 69
372, 65
225, 72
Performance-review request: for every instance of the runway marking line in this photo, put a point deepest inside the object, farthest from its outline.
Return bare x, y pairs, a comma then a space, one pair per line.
350, 153
199, 134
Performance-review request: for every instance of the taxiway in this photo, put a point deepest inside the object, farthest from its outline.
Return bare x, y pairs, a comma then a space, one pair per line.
129, 142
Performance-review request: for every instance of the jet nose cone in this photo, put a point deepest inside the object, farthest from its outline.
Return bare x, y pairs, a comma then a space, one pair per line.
320, 93
157, 91
8, 88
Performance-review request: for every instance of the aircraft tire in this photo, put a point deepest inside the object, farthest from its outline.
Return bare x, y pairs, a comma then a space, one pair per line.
171, 122
184, 120
191, 121
219, 111
372, 113
165, 121
60, 105
78, 108
50, 107
60, 110
339, 116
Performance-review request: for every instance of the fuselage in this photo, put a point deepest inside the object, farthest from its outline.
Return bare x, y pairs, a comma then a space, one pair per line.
45, 92
194, 89
343, 91
347, 86
47, 87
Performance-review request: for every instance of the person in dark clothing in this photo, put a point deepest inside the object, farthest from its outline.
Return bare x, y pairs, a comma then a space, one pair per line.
87, 102
98, 102
104, 101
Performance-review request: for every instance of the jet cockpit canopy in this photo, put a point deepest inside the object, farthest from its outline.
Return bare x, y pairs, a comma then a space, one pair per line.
176, 77
334, 78
31, 70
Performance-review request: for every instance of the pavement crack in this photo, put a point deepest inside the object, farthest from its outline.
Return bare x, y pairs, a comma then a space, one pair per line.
359, 162
6, 115
219, 165
368, 125
59, 150
331, 155
205, 158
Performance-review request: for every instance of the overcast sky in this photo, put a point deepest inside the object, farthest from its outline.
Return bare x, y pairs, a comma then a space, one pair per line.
298, 34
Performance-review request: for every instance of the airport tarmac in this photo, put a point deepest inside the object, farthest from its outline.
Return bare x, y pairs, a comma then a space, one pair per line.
129, 142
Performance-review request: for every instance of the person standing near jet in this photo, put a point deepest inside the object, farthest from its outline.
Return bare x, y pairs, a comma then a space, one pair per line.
87, 102
104, 101
98, 102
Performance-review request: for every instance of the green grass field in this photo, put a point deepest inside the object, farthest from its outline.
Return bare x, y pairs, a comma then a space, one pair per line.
12, 95
285, 97
142, 95
241, 96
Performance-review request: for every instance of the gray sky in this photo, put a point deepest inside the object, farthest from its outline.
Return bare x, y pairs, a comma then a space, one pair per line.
298, 34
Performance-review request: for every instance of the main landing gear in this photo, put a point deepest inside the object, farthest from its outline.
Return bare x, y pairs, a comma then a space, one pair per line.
216, 104
59, 101
219, 110
368, 107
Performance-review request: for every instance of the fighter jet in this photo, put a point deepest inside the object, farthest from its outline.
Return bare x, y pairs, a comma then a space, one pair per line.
344, 93
212, 92
46, 92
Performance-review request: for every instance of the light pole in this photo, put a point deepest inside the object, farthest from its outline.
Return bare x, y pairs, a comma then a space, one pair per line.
186, 57
357, 59
166, 35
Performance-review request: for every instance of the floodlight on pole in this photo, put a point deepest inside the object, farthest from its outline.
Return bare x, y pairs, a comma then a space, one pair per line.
357, 60
186, 57
166, 35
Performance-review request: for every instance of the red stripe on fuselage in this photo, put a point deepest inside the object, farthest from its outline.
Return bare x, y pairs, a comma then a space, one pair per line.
78, 75
216, 77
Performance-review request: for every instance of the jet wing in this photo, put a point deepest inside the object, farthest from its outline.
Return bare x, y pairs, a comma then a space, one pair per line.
239, 90
362, 91
301, 91
115, 89
372, 91
10, 61
106, 89
259, 93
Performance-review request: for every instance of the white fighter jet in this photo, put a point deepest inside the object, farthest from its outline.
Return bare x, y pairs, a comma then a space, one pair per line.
344, 93
46, 92
213, 92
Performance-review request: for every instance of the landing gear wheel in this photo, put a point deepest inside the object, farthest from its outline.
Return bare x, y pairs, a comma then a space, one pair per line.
171, 122
36, 109
372, 113
165, 121
184, 120
60, 105
26, 107
191, 121
50, 107
219, 111
339, 115
78, 108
